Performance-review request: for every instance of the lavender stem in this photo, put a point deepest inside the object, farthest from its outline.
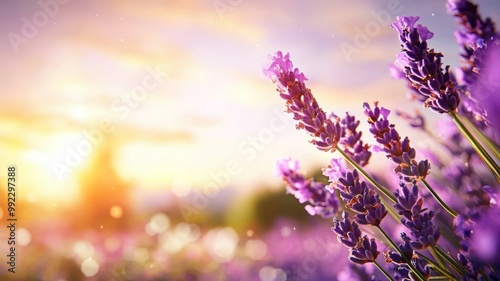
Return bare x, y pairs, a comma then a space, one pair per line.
439, 200
495, 169
489, 143
383, 271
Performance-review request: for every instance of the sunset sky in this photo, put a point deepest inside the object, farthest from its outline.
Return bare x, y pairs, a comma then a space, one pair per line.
202, 106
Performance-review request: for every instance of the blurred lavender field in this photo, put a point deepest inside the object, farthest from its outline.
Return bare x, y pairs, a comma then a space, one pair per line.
145, 135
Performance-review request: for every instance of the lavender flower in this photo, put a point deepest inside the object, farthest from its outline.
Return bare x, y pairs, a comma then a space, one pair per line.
416, 121
407, 200
351, 142
475, 36
361, 249
321, 201
358, 196
302, 104
416, 218
422, 66
479, 243
423, 229
472, 24
400, 152
405, 249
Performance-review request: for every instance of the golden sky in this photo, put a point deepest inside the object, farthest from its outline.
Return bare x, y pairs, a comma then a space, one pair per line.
176, 87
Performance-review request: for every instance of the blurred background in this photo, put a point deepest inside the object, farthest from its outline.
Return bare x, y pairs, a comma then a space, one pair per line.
145, 134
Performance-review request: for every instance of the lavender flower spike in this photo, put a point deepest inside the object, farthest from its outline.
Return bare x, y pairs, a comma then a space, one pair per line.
321, 201
400, 152
358, 196
422, 66
361, 249
302, 104
476, 36
416, 218
351, 140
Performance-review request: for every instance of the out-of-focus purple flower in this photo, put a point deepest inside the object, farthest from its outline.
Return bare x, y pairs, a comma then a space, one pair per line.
453, 6
488, 93
335, 171
463, 226
485, 241
475, 35
400, 152
416, 121
422, 66
396, 72
361, 249
301, 103
321, 201
494, 195
471, 22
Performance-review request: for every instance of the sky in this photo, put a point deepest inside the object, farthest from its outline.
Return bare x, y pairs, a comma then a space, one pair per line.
175, 88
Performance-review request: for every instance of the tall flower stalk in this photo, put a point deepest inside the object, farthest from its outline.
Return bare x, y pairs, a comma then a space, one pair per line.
325, 132
400, 152
435, 86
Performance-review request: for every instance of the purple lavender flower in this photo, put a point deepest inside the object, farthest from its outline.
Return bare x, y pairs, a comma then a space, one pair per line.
477, 246
361, 249
351, 140
423, 229
475, 36
302, 104
405, 256
406, 250
422, 66
472, 26
359, 197
416, 121
416, 218
400, 152
489, 88
407, 200
321, 201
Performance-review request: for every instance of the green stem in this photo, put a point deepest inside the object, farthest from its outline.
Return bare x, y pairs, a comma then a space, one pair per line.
484, 138
377, 185
410, 265
440, 201
439, 260
459, 268
391, 211
437, 267
383, 271
484, 274
495, 169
